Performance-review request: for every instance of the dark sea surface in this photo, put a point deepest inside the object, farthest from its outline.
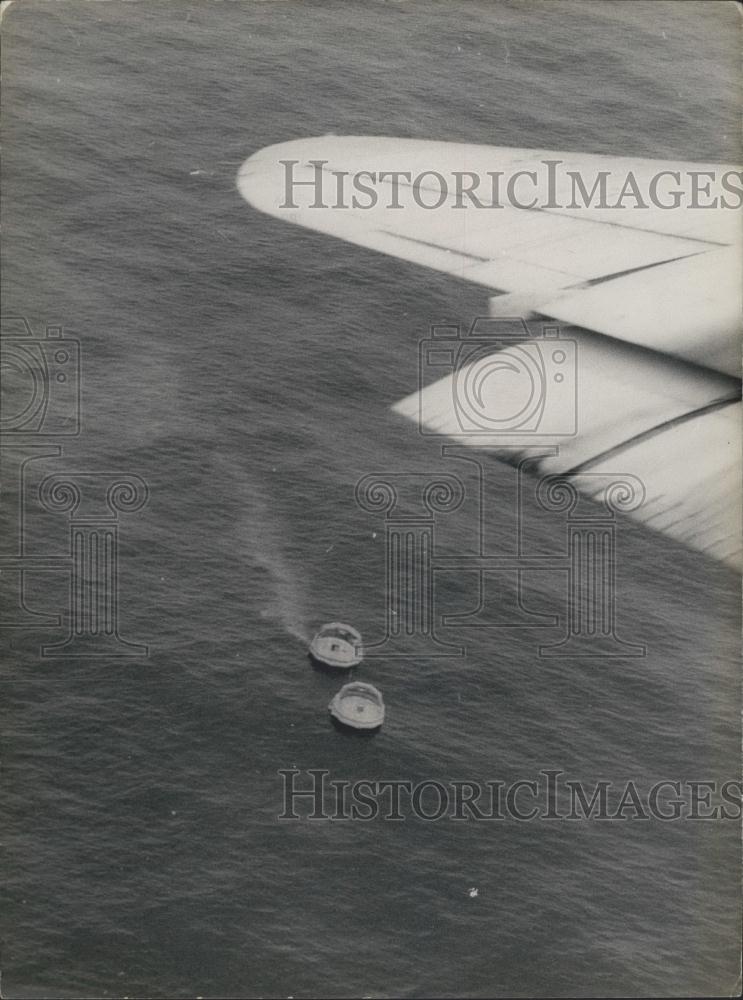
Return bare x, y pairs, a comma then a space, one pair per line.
245, 369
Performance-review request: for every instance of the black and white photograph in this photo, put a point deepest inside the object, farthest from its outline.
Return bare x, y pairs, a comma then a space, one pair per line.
370, 522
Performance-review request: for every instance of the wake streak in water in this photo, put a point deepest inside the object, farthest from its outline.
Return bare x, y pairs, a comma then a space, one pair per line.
281, 597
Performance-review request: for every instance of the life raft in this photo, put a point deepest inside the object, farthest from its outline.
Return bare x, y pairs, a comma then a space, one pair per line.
358, 705
337, 645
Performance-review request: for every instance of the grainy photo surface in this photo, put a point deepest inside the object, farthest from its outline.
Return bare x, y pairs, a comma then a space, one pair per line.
370, 532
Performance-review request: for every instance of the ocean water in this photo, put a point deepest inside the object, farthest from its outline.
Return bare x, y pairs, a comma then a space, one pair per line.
244, 370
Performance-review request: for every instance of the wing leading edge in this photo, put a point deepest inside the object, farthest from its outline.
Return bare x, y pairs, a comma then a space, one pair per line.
665, 410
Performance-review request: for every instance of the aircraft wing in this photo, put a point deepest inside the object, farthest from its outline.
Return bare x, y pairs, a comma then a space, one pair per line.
577, 239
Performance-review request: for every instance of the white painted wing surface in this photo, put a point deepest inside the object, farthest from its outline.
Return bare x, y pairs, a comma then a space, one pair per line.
674, 427
665, 280
682, 297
